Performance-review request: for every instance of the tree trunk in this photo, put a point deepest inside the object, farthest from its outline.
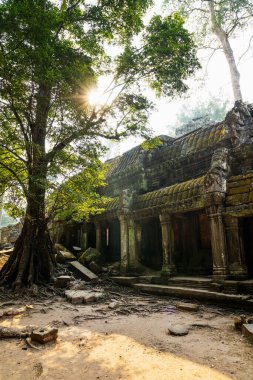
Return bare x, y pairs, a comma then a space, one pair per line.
224, 40
32, 258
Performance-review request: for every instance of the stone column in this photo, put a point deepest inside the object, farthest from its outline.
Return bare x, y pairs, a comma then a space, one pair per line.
84, 237
169, 267
124, 243
132, 244
98, 227
218, 241
236, 258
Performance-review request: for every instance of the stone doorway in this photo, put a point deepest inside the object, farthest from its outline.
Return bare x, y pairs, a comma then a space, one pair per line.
247, 228
151, 244
111, 241
193, 253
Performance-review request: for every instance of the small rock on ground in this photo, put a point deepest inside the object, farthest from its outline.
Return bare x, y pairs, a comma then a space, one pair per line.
178, 330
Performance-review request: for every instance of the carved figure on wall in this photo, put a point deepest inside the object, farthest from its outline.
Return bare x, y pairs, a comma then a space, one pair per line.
216, 177
126, 199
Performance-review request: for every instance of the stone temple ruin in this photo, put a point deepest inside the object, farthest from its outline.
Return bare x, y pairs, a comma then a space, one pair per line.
183, 208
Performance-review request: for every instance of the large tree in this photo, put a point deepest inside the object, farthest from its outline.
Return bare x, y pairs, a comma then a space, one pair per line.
223, 18
51, 55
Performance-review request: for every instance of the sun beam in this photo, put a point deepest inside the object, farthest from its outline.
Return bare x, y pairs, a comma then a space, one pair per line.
98, 95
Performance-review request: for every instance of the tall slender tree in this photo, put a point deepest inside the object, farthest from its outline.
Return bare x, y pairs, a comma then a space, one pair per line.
51, 55
225, 19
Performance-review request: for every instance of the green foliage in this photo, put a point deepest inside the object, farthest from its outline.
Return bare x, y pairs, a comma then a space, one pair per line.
232, 15
51, 56
77, 198
151, 144
166, 58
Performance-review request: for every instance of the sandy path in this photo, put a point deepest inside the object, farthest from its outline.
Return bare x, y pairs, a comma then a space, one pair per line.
132, 347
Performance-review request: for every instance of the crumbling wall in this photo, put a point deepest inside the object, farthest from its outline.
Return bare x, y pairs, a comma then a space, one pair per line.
10, 233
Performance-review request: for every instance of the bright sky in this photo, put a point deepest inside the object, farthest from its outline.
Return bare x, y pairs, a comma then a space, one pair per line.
212, 80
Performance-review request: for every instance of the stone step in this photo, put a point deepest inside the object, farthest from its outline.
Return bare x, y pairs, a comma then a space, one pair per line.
127, 280
198, 294
246, 286
188, 282
190, 285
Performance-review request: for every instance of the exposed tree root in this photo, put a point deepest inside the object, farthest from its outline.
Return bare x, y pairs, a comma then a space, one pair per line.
32, 259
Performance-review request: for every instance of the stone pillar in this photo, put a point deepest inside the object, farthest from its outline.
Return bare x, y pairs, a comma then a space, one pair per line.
84, 237
132, 244
169, 267
218, 241
124, 243
138, 236
236, 258
98, 227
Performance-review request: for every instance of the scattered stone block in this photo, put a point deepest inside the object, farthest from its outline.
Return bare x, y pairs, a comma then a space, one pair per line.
95, 268
75, 296
112, 305
187, 306
62, 282
78, 285
239, 321
44, 335
247, 330
90, 298
99, 296
82, 296
82, 271
63, 254
178, 330
91, 254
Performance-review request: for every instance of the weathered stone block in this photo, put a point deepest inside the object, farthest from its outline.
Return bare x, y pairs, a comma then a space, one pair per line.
62, 281
247, 330
75, 296
95, 268
83, 296
187, 306
63, 254
90, 298
44, 335
239, 321
82, 271
91, 254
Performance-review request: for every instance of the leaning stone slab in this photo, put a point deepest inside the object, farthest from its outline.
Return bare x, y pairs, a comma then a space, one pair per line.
82, 271
247, 330
178, 330
187, 306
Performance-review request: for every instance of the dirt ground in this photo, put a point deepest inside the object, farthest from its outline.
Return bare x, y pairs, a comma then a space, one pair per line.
128, 341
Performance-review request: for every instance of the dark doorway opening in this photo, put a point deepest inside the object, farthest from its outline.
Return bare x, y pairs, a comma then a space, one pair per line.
151, 252
91, 235
247, 227
111, 241
193, 252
